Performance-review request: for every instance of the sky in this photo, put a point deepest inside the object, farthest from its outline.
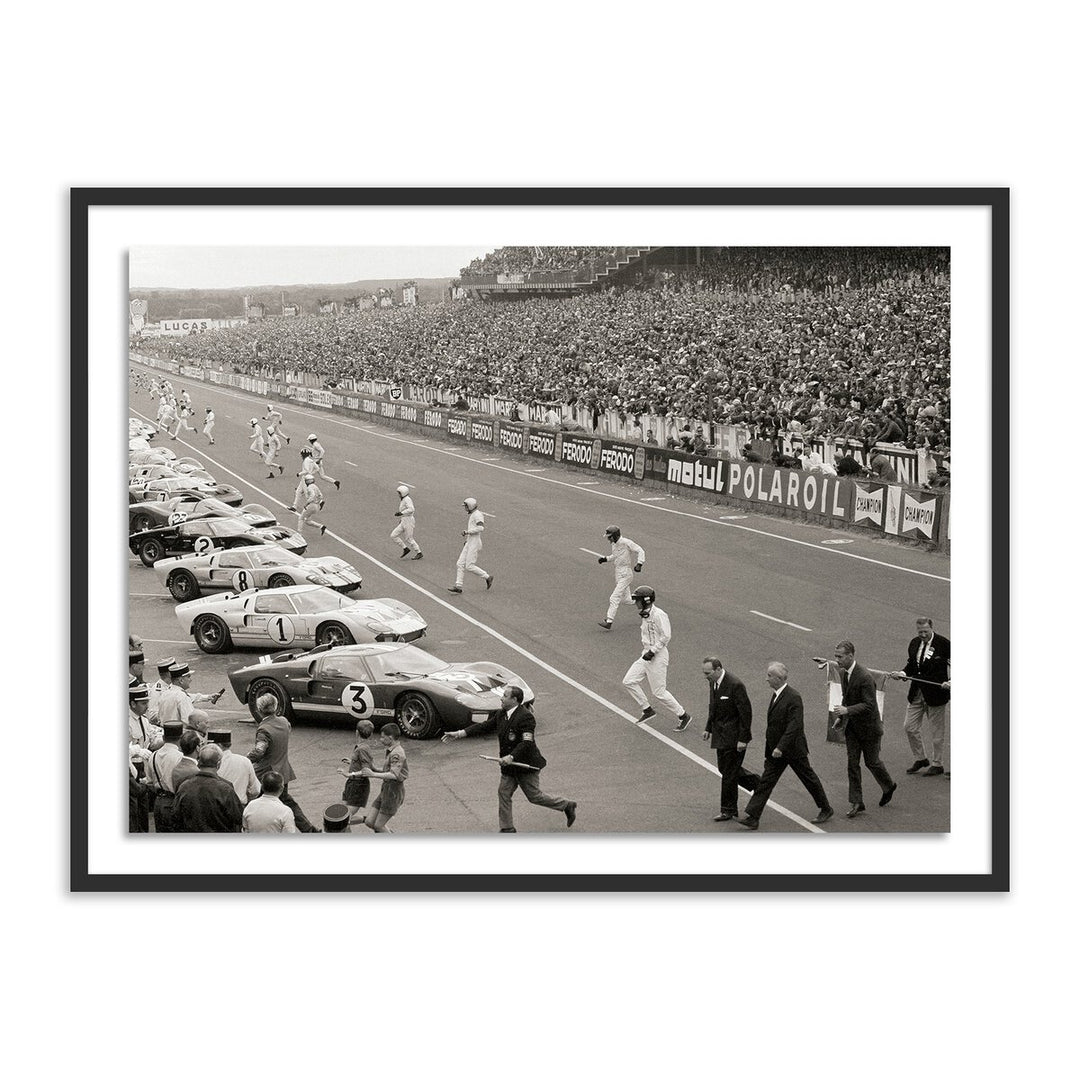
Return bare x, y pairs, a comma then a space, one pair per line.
231, 267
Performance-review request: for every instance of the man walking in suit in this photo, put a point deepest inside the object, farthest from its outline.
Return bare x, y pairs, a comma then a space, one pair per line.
929, 657
728, 729
860, 720
515, 726
271, 754
785, 744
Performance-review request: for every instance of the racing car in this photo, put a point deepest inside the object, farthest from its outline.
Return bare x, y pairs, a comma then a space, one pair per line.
379, 682
144, 455
188, 504
240, 569
168, 486
175, 469
140, 429
203, 535
306, 614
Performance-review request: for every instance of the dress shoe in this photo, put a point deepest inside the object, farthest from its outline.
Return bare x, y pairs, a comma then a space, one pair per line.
405, 553
508, 830
684, 722
887, 795
934, 770
418, 555
724, 815
855, 810
748, 822
917, 765
571, 814
823, 816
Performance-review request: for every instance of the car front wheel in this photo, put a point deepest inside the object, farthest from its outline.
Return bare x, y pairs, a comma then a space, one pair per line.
211, 634
417, 717
267, 686
334, 634
280, 581
150, 550
183, 586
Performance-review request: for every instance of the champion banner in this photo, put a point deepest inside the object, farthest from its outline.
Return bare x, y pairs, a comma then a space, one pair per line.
834, 695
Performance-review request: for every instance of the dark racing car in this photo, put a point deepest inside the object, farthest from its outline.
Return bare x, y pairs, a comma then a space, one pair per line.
380, 681
203, 535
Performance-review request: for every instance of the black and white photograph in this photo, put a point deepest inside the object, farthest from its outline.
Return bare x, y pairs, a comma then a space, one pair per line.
572, 540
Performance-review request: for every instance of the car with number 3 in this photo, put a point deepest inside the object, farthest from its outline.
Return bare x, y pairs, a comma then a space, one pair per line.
240, 569
302, 614
379, 682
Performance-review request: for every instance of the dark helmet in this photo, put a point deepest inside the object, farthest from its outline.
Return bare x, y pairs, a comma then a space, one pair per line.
305, 453
644, 597
613, 532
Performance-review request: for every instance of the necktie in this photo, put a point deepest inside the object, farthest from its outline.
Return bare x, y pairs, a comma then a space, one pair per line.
922, 649
843, 681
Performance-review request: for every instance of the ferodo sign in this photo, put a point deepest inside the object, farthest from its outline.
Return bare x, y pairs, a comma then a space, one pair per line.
540, 443
434, 419
481, 431
511, 438
625, 459
457, 426
812, 493
578, 451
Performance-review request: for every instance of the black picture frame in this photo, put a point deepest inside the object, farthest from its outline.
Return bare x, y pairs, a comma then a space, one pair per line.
83, 200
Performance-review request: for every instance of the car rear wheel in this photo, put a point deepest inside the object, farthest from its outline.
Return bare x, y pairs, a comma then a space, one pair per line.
280, 581
268, 686
417, 717
183, 586
211, 634
140, 522
333, 634
150, 550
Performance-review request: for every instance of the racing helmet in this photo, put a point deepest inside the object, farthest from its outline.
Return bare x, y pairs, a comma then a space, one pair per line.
313, 438
254, 421
613, 532
402, 490
470, 504
644, 597
308, 478
305, 453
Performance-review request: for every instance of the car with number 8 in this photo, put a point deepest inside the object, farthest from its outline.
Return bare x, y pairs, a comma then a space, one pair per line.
302, 614
379, 682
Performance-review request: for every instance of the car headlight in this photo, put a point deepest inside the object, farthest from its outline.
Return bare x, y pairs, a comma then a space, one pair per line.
477, 717
316, 580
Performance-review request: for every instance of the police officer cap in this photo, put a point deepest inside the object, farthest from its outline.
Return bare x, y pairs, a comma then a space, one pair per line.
139, 692
336, 818
168, 662
135, 654
172, 729
222, 738
179, 669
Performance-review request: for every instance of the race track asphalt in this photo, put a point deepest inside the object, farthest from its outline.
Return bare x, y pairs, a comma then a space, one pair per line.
724, 577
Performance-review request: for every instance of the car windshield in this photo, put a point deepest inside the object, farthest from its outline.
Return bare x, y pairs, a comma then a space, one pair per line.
275, 557
320, 599
256, 510
215, 506
405, 661
230, 527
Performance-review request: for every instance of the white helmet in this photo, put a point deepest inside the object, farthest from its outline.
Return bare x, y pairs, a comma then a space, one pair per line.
308, 478
402, 490
254, 421
469, 504
313, 438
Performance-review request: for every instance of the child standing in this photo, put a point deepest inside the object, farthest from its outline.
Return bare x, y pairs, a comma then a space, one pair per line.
395, 773
358, 786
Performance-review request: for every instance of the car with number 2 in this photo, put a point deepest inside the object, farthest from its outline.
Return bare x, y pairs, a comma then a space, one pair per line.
379, 682
240, 569
302, 614
203, 535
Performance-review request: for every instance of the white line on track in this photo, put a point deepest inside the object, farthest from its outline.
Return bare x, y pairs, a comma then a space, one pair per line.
726, 521
353, 464
587, 483
784, 621
520, 650
656, 498
588, 551
158, 595
168, 641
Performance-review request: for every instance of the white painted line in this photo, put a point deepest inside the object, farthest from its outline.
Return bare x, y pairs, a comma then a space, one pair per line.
169, 641
656, 498
589, 551
733, 517
156, 595
609, 495
587, 483
353, 464
521, 651
784, 621
491, 459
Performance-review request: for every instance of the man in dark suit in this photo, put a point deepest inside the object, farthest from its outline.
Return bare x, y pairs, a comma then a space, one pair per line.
515, 726
785, 744
859, 718
929, 660
271, 754
205, 802
728, 728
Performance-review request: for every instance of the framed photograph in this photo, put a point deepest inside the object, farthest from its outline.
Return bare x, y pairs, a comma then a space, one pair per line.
620, 520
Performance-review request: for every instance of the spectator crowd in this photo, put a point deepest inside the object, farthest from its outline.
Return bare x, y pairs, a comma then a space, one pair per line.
847, 342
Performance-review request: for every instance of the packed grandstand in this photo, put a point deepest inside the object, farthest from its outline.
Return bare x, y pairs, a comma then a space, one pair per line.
831, 342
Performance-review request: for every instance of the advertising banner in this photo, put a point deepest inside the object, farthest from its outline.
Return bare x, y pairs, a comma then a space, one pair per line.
510, 436
433, 418
539, 442
687, 470
577, 450
869, 504
811, 493
623, 459
481, 431
457, 426
918, 515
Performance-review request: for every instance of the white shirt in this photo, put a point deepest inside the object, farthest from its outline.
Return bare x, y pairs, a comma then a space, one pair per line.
317, 450
210, 417
475, 524
656, 630
625, 554
256, 431
161, 764
312, 495
406, 508
238, 770
268, 814
777, 693
174, 704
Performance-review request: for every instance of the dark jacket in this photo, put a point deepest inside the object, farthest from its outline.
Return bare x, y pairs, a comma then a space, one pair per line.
863, 718
730, 713
517, 736
206, 803
934, 668
274, 731
784, 728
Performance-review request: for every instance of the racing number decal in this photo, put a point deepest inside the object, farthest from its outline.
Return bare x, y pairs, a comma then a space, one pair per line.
281, 629
176, 517
241, 580
203, 544
357, 699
